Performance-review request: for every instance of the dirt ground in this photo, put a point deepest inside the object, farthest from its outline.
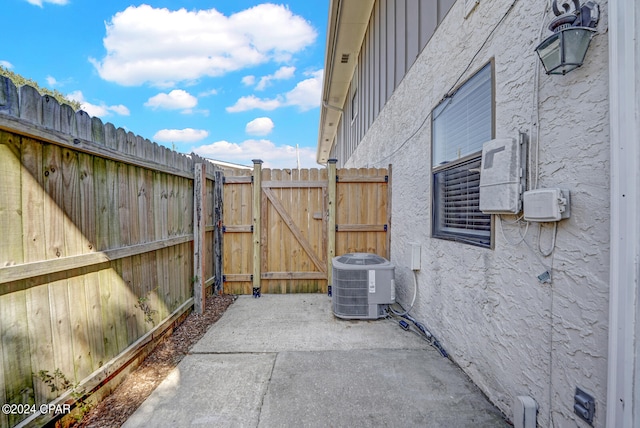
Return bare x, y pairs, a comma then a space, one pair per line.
116, 408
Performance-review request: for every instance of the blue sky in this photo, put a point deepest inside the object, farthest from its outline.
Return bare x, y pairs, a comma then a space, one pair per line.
229, 80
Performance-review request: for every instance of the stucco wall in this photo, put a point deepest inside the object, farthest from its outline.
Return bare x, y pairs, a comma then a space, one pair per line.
510, 333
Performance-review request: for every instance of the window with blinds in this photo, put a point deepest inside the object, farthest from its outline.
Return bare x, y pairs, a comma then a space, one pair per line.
460, 125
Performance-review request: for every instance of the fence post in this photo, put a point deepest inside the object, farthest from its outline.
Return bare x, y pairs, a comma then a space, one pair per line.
331, 226
199, 216
388, 255
217, 221
257, 238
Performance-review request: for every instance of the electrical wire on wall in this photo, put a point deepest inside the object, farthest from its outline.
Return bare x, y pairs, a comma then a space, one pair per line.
451, 92
535, 113
534, 175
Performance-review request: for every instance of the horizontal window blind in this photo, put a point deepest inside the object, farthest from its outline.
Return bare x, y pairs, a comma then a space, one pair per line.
457, 196
462, 122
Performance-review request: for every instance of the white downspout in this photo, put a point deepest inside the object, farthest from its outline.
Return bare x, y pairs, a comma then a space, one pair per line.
623, 389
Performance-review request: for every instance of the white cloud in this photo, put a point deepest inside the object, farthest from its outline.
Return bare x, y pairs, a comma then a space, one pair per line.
208, 93
248, 80
174, 100
259, 126
252, 102
51, 81
281, 74
39, 2
162, 47
187, 135
274, 156
306, 95
6, 64
119, 109
98, 110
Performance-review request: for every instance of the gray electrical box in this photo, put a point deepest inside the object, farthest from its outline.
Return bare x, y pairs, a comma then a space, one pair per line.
501, 177
546, 205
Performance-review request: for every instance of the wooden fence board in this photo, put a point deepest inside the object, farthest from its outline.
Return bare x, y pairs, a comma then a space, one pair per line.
75, 244
162, 231
4, 419
61, 328
101, 203
106, 295
150, 269
87, 221
32, 201
15, 342
79, 322
95, 327
53, 215
40, 336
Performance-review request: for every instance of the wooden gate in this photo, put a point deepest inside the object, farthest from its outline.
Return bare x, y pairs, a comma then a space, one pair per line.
281, 227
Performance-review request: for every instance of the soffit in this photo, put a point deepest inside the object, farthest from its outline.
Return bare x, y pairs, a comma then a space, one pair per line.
348, 21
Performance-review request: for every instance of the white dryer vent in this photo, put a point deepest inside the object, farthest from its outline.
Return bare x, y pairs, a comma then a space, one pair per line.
363, 286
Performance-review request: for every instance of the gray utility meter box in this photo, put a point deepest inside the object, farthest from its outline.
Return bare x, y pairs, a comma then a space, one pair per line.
501, 175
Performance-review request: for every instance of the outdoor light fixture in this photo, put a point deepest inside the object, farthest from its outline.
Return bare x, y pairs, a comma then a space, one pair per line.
573, 29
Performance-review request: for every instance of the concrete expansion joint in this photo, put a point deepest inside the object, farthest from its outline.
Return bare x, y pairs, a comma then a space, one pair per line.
266, 390
233, 353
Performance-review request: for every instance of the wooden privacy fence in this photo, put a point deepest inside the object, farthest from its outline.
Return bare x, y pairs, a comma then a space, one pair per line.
107, 241
282, 227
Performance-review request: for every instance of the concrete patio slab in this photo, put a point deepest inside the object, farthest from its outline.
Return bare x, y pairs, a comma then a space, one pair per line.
286, 361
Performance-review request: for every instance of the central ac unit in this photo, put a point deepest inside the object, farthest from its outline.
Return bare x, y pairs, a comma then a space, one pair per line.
363, 286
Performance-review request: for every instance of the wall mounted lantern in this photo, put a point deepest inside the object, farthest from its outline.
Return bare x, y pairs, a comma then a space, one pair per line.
573, 28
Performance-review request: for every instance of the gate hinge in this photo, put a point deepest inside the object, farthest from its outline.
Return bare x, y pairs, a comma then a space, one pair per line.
224, 278
252, 178
251, 228
224, 179
224, 229
337, 178
386, 178
385, 227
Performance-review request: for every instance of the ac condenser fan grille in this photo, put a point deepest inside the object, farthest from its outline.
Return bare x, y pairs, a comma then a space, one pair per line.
350, 293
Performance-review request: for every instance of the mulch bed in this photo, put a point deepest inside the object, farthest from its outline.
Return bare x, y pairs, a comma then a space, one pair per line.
116, 408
